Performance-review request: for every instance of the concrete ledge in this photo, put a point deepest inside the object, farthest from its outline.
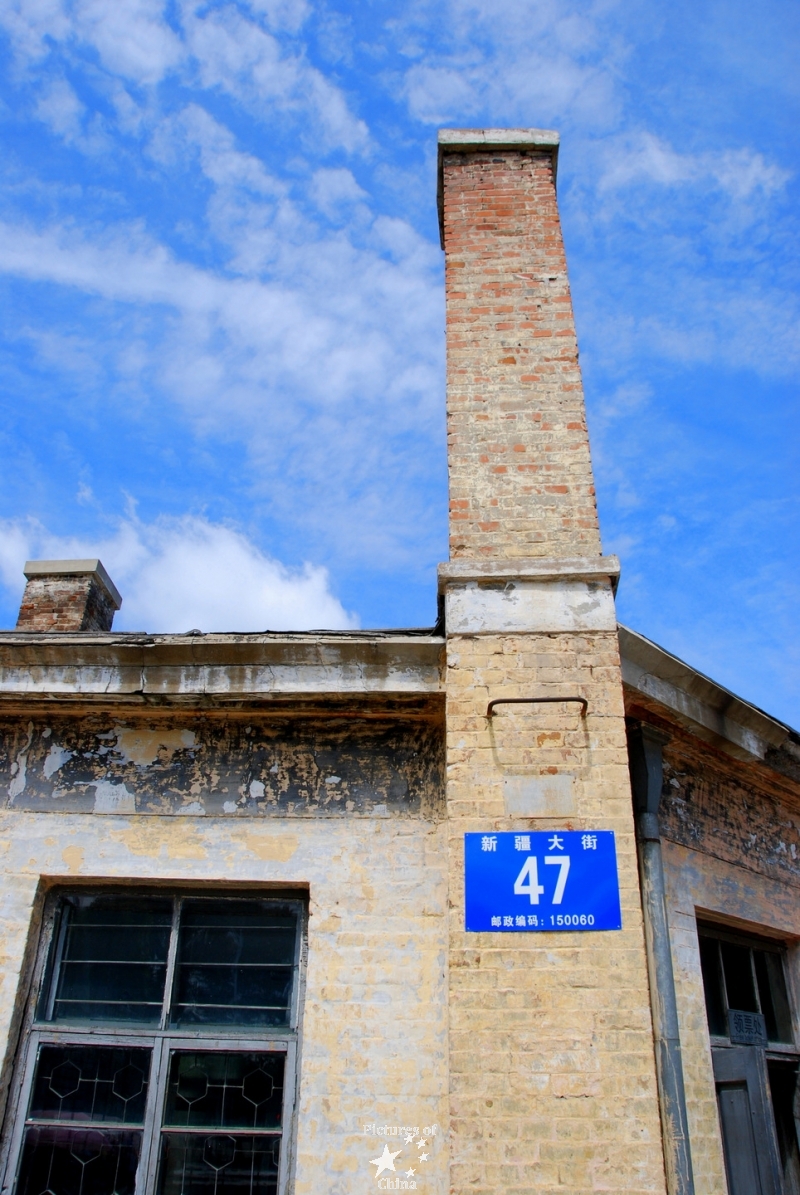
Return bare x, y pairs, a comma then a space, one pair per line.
489, 572
220, 669
453, 140
475, 140
530, 607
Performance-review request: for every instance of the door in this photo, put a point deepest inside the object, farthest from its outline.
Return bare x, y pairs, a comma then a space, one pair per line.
745, 1116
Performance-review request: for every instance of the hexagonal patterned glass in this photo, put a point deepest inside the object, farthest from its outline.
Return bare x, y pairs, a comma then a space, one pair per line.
227, 1092
233, 1164
78, 1092
90, 1083
219, 1090
58, 1161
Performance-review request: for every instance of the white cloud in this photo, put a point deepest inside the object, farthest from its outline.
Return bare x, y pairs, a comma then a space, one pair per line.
181, 574
334, 191
222, 47
643, 157
282, 14
31, 23
59, 107
131, 36
244, 60
196, 129
523, 61
330, 372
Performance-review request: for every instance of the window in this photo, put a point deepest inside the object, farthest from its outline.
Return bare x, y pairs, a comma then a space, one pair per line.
754, 1060
744, 974
160, 1052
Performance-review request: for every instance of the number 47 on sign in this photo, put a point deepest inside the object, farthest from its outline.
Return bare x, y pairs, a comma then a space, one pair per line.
541, 881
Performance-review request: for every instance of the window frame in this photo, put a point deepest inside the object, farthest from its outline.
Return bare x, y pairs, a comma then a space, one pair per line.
163, 1039
721, 932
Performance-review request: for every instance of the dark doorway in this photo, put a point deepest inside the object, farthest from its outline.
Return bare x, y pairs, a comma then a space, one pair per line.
755, 1063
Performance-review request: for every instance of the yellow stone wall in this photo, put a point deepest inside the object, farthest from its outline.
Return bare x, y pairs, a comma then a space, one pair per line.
552, 1071
374, 1025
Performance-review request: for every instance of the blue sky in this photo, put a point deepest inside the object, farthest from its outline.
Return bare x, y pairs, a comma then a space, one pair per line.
222, 363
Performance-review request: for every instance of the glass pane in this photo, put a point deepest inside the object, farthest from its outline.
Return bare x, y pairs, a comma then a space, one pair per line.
739, 977
213, 994
232, 1091
219, 1164
114, 959
235, 963
712, 984
61, 1161
90, 1083
773, 995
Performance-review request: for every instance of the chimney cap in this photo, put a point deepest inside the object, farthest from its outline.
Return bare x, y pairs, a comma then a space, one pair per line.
74, 568
472, 140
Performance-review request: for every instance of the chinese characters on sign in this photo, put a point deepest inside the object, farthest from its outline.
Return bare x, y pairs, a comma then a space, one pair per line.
746, 1028
546, 880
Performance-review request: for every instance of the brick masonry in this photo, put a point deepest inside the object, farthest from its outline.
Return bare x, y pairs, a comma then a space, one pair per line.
65, 603
374, 1017
518, 450
552, 1072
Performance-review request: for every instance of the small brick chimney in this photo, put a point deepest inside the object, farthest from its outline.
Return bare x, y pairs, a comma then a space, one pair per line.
68, 595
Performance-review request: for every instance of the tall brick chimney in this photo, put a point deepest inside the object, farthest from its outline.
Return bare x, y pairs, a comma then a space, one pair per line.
551, 1050
67, 595
518, 451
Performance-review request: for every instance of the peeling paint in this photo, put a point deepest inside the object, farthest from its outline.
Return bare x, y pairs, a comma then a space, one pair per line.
143, 745
724, 809
154, 839
19, 767
56, 758
113, 798
73, 858
295, 767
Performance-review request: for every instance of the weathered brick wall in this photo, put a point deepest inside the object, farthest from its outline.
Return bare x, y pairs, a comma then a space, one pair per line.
518, 451
731, 845
65, 603
551, 1065
731, 833
551, 1068
731, 810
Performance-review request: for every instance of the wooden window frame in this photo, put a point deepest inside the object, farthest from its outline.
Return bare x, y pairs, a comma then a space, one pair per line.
751, 941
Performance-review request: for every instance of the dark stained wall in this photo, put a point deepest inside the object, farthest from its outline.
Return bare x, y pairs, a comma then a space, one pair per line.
740, 812
223, 765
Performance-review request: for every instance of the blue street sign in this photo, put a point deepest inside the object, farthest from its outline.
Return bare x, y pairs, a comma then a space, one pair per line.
550, 880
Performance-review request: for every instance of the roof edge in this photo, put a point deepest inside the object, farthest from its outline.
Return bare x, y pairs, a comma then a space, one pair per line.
707, 708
